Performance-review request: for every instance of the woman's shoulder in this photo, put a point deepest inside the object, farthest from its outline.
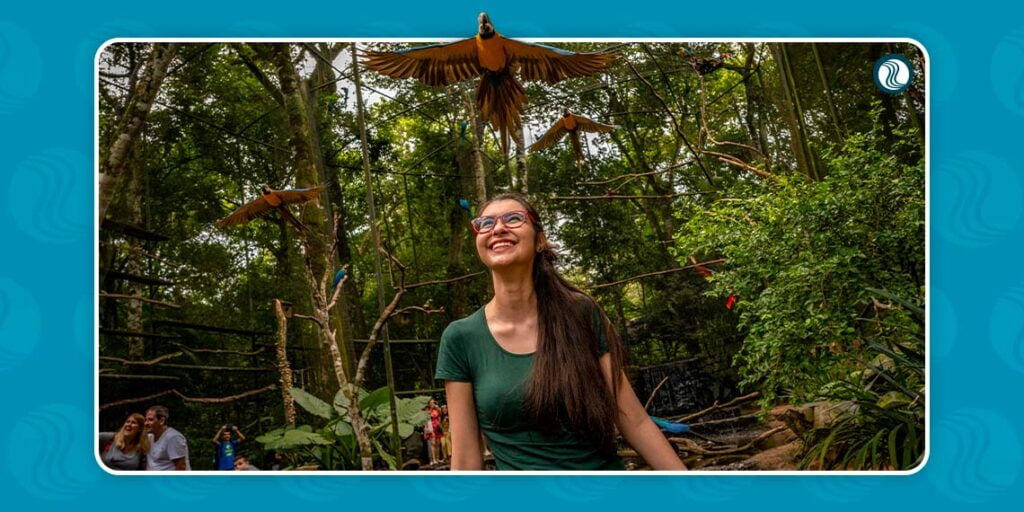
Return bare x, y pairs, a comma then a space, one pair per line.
466, 325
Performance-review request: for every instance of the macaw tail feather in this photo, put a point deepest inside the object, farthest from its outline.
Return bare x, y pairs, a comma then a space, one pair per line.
576, 147
671, 426
299, 226
500, 98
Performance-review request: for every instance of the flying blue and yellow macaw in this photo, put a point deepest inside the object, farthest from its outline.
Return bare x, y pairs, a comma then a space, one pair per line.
272, 200
570, 124
496, 60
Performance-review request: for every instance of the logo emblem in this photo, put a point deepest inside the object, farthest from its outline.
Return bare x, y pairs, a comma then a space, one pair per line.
893, 73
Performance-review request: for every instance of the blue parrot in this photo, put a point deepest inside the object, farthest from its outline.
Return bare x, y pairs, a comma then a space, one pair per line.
463, 125
338, 277
671, 426
464, 203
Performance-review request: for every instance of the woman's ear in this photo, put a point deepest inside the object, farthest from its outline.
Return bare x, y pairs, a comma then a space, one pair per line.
542, 242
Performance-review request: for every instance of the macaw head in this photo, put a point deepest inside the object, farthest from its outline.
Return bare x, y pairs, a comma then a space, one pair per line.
265, 188
565, 112
486, 28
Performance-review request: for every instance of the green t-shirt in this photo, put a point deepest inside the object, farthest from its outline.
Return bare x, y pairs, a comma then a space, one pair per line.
470, 353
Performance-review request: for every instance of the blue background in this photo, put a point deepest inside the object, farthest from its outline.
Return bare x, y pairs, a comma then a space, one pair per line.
46, 276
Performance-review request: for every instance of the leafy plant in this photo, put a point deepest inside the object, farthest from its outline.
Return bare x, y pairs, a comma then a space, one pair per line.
801, 255
332, 445
885, 427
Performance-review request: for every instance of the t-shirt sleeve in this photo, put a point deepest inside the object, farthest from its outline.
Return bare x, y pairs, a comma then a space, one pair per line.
452, 359
106, 438
177, 447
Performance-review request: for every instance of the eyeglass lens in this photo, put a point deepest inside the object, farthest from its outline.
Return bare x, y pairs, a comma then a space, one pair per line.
510, 220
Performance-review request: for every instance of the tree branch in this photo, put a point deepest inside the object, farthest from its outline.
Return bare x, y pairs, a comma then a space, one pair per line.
660, 272
183, 397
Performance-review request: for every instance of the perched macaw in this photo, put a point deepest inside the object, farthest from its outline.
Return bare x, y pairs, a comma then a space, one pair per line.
272, 200
338, 277
496, 60
570, 124
670, 426
704, 65
464, 204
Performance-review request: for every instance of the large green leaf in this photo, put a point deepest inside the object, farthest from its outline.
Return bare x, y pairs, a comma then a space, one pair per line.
410, 410
294, 438
281, 439
342, 428
892, 399
311, 403
405, 430
384, 454
272, 436
341, 399
376, 404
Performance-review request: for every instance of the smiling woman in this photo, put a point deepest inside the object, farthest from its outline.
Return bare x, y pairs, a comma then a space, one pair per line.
522, 369
127, 448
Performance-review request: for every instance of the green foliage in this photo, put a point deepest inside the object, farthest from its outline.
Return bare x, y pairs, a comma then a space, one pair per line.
332, 445
885, 428
802, 254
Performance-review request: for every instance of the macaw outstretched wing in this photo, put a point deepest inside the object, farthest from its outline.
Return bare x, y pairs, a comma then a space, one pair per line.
551, 65
589, 125
436, 64
550, 137
299, 195
253, 209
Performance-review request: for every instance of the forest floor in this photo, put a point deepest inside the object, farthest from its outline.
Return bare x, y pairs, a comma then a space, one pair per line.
735, 438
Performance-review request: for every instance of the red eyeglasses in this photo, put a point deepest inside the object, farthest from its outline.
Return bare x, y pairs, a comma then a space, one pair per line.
512, 219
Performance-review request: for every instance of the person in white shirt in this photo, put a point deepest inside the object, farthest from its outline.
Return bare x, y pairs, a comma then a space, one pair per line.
168, 449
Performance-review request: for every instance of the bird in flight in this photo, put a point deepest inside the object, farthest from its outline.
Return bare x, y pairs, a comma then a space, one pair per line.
272, 200
570, 124
497, 61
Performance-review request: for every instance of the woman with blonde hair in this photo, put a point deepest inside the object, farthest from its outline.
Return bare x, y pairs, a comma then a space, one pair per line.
127, 448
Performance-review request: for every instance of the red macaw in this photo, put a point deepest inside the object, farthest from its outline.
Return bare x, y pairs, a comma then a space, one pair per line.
572, 124
730, 301
272, 200
701, 269
496, 60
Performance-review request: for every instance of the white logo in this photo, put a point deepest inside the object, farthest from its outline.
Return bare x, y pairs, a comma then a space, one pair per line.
893, 74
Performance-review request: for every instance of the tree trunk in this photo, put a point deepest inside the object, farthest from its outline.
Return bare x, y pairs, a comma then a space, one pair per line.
836, 123
458, 227
318, 256
522, 171
282, 364
136, 248
754, 101
317, 91
479, 176
139, 106
789, 107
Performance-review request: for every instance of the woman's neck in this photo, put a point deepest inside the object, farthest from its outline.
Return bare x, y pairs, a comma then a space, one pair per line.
514, 296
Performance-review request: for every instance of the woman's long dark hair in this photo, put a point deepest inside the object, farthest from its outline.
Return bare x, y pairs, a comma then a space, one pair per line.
561, 393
